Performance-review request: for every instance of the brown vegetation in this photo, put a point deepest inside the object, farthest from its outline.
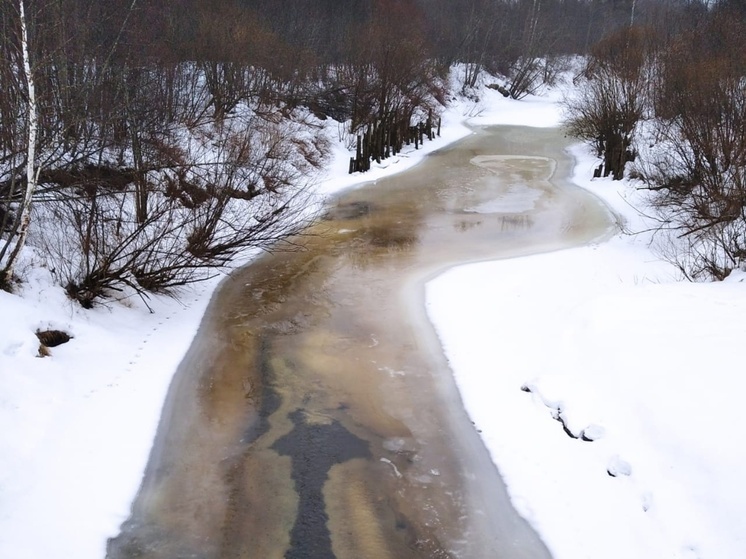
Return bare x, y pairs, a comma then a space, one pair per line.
690, 80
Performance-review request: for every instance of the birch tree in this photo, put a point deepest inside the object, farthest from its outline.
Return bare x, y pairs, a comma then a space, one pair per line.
19, 231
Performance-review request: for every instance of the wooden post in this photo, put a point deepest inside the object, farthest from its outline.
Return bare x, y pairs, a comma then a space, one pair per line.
377, 141
366, 149
359, 159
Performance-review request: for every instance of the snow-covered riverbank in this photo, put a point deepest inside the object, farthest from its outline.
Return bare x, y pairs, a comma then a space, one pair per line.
620, 345
607, 340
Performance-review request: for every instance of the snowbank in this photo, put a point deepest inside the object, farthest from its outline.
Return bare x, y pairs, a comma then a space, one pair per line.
76, 427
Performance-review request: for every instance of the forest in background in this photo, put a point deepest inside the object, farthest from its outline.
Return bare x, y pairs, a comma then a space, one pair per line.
143, 144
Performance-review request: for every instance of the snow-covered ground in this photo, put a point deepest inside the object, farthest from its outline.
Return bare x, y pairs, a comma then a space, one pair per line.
605, 333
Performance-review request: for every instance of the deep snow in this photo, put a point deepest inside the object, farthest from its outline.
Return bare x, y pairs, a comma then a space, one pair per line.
604, 333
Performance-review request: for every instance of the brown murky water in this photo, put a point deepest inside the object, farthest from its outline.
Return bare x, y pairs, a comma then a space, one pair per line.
315, 416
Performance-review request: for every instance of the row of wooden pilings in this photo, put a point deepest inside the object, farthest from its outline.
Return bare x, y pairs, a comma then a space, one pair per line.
386, 137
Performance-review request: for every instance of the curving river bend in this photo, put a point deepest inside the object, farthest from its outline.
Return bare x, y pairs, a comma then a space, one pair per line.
314, 416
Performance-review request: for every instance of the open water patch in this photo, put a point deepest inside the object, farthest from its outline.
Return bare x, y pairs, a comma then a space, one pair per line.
313, 449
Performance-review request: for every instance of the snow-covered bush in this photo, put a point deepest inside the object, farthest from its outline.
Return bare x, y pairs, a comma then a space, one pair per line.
697, 170
209, 193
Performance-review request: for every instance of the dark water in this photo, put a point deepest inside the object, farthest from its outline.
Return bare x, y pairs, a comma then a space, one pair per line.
315, 416
313, 450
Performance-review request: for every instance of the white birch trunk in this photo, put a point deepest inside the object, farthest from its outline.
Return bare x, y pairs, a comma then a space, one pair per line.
32, 173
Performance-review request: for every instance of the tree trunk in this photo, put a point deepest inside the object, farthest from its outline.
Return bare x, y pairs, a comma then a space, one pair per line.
32, 173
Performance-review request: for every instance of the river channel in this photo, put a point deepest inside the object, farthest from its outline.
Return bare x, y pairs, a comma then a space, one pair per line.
314, 416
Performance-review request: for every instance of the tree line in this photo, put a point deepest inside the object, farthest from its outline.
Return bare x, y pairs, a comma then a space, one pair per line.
143, 143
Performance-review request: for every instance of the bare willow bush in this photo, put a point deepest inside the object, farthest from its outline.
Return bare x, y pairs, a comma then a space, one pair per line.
611, 99
698, 172
217, 191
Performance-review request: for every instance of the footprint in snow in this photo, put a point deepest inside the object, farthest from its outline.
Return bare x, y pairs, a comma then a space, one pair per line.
591, 433
618, 467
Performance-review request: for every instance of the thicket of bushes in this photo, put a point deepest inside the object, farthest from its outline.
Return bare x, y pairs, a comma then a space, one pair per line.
681, 97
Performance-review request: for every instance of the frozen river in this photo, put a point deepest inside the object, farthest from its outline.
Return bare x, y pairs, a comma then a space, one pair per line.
315, 416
